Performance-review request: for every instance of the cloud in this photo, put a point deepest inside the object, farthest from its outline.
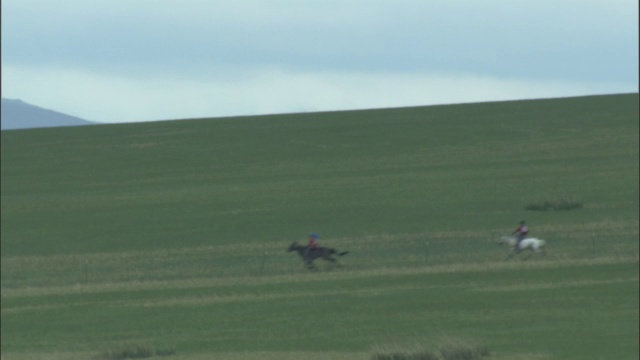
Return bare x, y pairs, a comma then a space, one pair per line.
97, 97
569, 39
117, 60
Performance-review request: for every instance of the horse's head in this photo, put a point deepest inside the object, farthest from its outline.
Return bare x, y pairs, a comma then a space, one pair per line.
293, 247
506, 240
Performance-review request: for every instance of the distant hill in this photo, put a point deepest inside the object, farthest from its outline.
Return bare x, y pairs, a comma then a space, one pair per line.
17, 114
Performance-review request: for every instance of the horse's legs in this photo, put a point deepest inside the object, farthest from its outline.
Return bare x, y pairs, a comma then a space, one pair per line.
309, 265
329, 258
510, 254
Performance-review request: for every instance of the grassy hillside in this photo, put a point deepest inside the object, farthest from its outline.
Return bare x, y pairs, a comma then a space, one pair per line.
175, 232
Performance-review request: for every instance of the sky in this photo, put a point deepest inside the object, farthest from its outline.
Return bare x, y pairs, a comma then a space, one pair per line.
118, 61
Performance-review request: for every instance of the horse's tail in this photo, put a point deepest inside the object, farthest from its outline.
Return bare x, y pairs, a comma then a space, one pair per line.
335, 252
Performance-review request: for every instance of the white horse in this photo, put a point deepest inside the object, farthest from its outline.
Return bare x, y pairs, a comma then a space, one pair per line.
533, 244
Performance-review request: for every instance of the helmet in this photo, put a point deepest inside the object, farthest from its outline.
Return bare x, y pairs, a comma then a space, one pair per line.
314, 235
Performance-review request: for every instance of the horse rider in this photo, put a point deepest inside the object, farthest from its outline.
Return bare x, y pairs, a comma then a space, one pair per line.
313, 242
522, 232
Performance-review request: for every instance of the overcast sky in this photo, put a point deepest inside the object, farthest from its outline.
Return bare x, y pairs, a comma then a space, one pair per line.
143, 60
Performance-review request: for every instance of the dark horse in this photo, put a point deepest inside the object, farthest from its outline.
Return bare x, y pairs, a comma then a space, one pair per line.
308, 255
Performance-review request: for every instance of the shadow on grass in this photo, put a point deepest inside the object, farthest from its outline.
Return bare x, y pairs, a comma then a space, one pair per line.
559, 204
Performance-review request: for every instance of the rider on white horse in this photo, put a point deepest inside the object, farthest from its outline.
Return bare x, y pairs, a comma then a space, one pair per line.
522, 232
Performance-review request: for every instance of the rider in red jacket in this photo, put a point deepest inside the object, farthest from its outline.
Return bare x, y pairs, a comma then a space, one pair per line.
313, 237
313, 243
522, 232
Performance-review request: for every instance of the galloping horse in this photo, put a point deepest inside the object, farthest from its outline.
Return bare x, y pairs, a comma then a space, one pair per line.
533, 244
308, 255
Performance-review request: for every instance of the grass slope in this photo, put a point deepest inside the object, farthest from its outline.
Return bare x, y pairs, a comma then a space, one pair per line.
173, 234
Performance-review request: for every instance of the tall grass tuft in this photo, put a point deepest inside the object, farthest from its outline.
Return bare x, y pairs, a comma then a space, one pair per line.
456, 350
134, 351
406, 355
449, 349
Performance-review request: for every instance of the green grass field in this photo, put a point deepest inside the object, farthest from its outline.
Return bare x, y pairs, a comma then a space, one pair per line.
172, 236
